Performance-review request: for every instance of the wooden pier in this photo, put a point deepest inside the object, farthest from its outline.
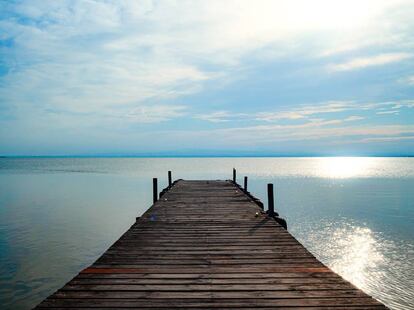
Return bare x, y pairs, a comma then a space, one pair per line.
204, 245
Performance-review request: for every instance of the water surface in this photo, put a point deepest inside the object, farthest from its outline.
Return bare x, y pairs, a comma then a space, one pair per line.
57, 215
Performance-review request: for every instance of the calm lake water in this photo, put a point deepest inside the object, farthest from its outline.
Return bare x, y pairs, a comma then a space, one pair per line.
57, 215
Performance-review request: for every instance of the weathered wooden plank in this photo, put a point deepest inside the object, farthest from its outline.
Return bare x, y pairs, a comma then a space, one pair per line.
199, 269
182, 261
212, 303
247, 275
205, 245
206, 287
169, 281
227, 308
208, 294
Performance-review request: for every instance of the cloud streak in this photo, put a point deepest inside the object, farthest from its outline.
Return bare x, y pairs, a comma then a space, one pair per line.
154, 114
364, 62
308, 111
305, 111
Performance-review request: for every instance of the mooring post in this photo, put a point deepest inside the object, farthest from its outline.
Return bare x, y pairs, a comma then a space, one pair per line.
154, 190
245, 184
270, 199
234, 175
169, 179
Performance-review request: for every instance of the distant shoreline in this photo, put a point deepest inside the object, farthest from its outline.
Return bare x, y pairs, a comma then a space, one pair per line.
197, 156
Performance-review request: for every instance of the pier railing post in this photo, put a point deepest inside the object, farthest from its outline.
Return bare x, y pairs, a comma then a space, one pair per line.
154, 190
234, 175
270, 199
169, 179
245, 184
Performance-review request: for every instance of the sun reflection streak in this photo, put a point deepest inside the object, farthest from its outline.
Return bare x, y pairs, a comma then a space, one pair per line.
358, 254
345, 167
366, 259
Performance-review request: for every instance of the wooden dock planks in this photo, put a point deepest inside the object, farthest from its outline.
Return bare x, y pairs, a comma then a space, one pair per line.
201, 246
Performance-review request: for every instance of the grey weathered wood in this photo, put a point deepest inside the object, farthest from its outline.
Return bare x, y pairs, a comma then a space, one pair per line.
201, 246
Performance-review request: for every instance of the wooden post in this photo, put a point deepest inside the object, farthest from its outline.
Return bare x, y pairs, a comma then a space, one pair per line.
234, 175
270, 199
169, 179
154, 190
245, 184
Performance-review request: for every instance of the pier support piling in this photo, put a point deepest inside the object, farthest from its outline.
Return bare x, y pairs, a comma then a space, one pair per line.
169, 179
270, 199
154, 190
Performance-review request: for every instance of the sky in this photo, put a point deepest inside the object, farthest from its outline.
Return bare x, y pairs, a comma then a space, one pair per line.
320, 77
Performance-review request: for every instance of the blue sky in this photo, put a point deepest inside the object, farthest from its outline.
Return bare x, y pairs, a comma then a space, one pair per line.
207, 77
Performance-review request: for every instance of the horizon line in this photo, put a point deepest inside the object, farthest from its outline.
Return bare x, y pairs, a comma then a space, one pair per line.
206, 156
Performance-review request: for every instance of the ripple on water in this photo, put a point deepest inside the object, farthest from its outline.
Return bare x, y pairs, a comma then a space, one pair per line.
57, 215
365, 258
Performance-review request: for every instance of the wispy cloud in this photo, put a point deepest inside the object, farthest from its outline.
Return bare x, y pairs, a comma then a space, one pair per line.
388, 112
155, 114
336, 107
273, 116
305, 111
328, 133
363, 62
387, 139
354, 118
407, 80
215, 117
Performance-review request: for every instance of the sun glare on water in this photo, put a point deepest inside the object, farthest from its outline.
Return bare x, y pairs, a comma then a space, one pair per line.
355, 252
345, 167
